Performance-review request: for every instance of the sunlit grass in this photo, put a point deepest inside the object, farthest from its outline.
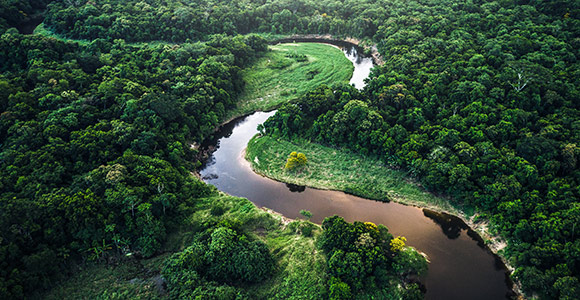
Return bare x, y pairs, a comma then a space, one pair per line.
276, 78
338, 169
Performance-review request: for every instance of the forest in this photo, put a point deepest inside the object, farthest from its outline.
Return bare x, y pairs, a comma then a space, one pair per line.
478, 100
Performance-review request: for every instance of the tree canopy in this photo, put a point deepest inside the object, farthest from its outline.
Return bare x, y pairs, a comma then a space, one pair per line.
477, 99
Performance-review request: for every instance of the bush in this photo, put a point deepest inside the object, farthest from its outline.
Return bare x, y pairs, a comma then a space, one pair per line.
295, 160
224, 256
339, 290
306, 213
217, 210
297, 57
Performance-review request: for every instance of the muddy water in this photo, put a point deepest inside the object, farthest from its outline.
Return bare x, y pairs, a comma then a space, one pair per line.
461, 267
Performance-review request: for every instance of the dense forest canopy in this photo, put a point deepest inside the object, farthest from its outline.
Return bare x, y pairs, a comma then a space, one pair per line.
477, 99
95, 144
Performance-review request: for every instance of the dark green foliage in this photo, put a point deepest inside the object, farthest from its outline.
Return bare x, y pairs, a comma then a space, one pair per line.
216, 262
304, 228
180, 21
95, 146
368, 191
478, 101
311, 74
17, 13
217, 210
338, 290
232, 258
360, 260
306, 214
297, 57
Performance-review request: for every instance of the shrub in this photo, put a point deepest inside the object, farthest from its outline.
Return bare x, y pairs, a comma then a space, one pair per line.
339, 290
307, 214
295, 160
398, 243
217, 209
222, 257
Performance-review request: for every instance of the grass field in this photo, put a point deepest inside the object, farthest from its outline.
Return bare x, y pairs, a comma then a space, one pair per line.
288, 71
338, 169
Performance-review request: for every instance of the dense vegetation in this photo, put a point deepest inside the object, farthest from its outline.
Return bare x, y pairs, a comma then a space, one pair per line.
365, 261
95, 145
96, 166
477, 99
536, 216
14, 13
298, 271
221, 255
179, 21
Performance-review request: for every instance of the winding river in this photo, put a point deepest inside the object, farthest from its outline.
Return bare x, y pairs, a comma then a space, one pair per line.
461, 266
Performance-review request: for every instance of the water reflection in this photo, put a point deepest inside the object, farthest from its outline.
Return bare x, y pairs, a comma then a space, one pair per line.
294, 188
362, 64
452, 226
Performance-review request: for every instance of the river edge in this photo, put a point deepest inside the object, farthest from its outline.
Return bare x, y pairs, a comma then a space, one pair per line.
325, 40
330, 39
491, 242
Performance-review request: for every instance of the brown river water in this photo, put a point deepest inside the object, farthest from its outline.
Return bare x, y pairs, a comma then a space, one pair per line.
461, 267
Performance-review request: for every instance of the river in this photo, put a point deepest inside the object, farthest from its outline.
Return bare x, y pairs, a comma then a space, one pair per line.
461, 266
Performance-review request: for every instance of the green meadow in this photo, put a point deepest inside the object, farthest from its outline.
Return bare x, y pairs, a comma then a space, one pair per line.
288, 71
339, 169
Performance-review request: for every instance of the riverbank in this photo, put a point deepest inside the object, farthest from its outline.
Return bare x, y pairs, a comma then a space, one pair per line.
367, 48
337, 169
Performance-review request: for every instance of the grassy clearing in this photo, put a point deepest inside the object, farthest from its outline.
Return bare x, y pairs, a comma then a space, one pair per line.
300, 270
288, 71
339, 169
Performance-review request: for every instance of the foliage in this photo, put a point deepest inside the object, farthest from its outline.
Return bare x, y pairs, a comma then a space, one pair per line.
477, 100
339, 169
295, 160
94, 149
459, 106
214, 263
307, 214
360, 260
268, 86
16, 13
298, 270
398, 243
338, 290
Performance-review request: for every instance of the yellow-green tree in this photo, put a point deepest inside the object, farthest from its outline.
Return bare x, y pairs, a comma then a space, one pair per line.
295, 160
398, 243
